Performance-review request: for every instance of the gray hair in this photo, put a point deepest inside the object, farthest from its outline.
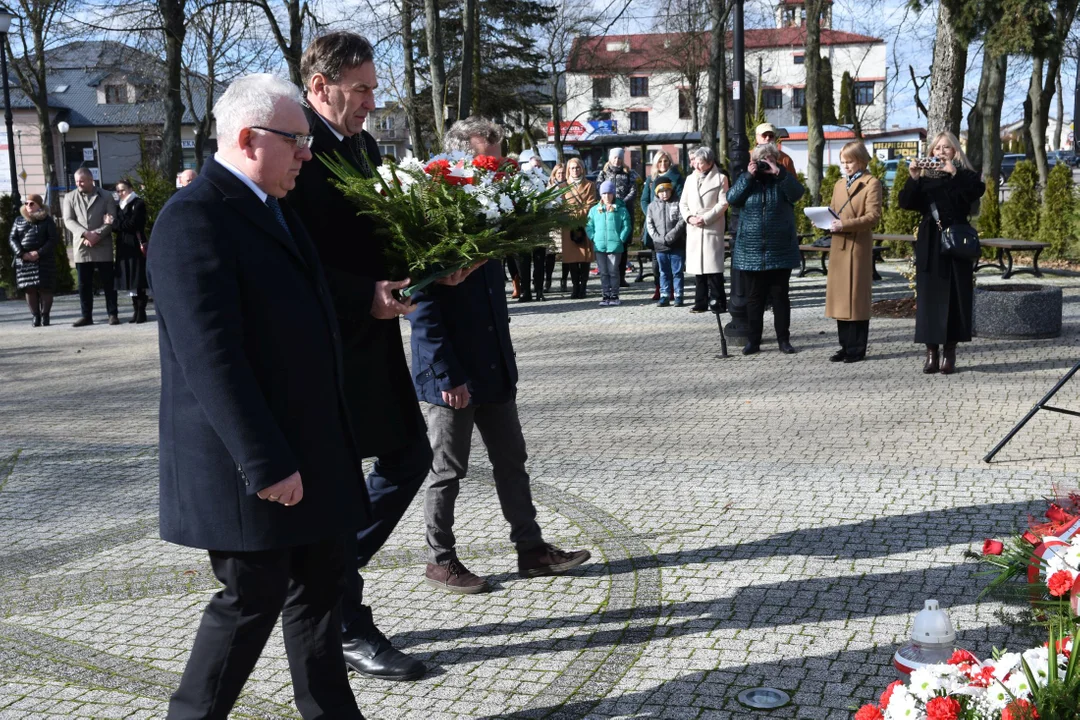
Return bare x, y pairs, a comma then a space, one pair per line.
457, 138
248, 101
334, 53
84, 171
703, 153
763, 150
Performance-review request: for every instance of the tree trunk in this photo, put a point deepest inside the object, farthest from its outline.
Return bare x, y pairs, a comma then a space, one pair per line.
475, 109
556, 115
723, 141
438, 70
815, 136
416, 136
995, 99
713, 119
173, 24
975, 122
1058, 126
946, 77
41, 105
468, 35
1037, 128
295, 49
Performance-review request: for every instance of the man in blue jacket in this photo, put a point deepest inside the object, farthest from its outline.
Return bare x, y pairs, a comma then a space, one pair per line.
464, 372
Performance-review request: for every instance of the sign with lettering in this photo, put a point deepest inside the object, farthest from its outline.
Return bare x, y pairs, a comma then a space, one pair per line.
88, 154
889, 149
575, 131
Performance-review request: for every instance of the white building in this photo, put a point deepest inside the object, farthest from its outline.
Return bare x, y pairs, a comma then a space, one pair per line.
641, 81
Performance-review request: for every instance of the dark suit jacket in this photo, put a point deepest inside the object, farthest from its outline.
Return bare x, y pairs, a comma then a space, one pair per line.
251, 375
380, 393
461, 336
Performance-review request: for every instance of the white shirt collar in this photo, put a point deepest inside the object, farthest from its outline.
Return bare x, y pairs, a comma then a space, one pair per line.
338, 135
242, 177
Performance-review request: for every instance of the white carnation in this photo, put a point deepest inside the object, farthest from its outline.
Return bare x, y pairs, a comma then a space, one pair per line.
506, 203
903, 706
924, 684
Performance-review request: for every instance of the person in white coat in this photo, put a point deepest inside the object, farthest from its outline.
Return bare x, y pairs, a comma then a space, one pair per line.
703, 202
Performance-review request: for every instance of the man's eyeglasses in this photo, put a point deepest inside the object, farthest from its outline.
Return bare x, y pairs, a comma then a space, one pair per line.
302, 142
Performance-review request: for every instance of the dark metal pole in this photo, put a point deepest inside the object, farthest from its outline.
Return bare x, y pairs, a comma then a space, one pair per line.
16, 201
738, 329
1041, 405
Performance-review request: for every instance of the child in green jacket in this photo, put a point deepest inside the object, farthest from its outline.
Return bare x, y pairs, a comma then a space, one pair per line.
609, 230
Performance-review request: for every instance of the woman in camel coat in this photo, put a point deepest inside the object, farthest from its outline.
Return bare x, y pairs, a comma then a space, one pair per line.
703, 202
576, 249
857, 201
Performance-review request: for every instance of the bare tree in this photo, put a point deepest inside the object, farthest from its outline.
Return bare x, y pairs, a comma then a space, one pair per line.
438, 69
815, 135
687, 21
40, 18
469, 37
714, 133
947, 74
416, 135
174, 28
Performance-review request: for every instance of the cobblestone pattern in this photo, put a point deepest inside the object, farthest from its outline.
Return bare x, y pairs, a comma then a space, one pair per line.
766, 520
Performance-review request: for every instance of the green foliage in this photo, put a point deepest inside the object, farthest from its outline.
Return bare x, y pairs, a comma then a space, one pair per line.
877, 169
1020, 213
825, 93
989, 221
1058, 207
828, 183
897, 220
65, 275
7, 257
155, 188
846, 112
803, 226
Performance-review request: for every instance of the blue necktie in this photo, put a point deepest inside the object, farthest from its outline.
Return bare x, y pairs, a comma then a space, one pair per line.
275, 207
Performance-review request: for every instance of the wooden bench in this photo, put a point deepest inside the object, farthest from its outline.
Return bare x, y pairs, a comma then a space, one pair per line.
641, 257
823, 251
1003, 258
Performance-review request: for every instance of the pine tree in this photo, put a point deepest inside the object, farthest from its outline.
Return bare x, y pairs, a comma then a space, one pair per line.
897, 220
803, 226
1020, 213
825, 90
1058, 206
989, 221
7, 257
846, 113
828, 183
877, 169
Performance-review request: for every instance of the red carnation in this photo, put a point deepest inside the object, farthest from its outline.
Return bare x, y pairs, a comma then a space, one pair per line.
869, 712
982, 677
1063, 646
1019, 709
962, 657
1030, 538
887, 695
943, 708
486, 162
438, 168
992, 547
1060, 583
1057, 514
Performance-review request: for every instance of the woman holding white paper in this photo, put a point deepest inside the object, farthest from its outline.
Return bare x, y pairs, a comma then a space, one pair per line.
857, 203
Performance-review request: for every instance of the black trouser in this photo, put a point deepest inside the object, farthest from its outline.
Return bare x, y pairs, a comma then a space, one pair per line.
549, 269
709, 292
85, 272
579, 276
532, 264
759, 286
622, 266
853, 335
392, 484
302, 585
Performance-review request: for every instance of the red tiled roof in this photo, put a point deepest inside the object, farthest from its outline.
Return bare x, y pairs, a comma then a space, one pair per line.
658, 51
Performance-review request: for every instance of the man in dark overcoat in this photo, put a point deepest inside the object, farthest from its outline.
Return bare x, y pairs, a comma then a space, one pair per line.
339, 76
257, 462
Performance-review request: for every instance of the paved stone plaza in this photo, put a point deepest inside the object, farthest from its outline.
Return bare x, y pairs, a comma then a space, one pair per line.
767, 520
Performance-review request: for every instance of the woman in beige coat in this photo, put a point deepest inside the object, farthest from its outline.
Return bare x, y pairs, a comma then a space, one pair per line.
703, 202
857, 202
576, 249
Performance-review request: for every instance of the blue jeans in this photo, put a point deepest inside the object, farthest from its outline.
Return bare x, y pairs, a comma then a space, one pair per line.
671, 265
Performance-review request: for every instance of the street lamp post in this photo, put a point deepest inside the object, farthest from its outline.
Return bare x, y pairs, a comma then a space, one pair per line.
738, 329
6, 17
63, 127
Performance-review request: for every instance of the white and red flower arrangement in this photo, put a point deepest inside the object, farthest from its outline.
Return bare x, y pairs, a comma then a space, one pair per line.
453, 211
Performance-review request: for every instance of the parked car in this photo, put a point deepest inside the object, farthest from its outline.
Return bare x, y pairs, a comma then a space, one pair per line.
1063, 156
1008, 164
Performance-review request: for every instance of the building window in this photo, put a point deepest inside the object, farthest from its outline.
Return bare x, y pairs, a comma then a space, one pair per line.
799, 59
798, 97
386, 122
639, 87
601, 87
686, 105
639, 120
385, 150
115, 94
772, 98
864, 93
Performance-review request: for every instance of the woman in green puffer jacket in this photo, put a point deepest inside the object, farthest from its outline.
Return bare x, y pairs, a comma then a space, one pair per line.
766, 243
609, 228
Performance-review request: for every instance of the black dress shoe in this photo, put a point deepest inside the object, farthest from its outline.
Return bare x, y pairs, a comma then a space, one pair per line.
751, 348
839, 356
374, 656
855, 358
785, 347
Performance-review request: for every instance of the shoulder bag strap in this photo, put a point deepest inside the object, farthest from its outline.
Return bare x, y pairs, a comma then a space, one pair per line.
934, 212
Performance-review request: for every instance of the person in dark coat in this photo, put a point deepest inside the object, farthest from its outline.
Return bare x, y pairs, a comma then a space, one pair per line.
663, 169
464, 369
130, 230
766, 243
945, 286
339, 76
257, 463
33, 240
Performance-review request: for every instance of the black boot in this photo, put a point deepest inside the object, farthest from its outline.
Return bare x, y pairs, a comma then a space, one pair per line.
930, 365
134, 310
36, 321
142, 310
948, 359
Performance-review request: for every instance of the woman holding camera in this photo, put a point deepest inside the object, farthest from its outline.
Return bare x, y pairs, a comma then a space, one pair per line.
944, 285
766, 243
857, 204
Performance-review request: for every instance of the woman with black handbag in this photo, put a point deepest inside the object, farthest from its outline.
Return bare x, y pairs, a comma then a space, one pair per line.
945, 187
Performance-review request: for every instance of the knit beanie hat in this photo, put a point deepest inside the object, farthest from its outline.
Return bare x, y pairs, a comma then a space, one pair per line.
614, 154
607, 187
663, 184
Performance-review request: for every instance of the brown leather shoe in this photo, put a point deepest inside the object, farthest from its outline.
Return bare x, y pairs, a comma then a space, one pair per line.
82, 322
456, 578
948, 360
114, 320
549, 560
930, 366
516, 281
